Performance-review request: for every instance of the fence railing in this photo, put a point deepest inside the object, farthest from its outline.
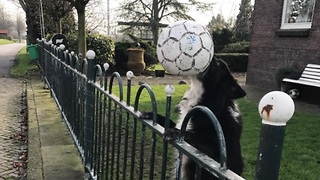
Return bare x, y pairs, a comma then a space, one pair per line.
113, 142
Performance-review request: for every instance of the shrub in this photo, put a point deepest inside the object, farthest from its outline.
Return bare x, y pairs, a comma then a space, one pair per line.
221, 37
102, 45
237, 47
121, 56
285, 72
237, 62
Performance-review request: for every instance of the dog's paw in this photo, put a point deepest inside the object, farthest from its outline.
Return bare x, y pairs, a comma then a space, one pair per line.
146, 115
171, 134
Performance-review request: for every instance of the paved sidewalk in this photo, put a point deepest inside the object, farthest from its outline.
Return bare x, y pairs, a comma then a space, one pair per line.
51, 154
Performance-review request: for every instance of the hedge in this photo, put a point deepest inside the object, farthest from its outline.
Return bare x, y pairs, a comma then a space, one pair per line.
237, 62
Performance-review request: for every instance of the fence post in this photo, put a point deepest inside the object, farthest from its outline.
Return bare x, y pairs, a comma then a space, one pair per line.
89, 96
275, 108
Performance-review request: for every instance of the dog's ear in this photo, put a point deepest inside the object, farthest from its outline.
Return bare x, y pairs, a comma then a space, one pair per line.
230, 84
234, 90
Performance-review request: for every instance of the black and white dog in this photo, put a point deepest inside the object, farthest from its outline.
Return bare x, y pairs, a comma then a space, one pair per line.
216, 89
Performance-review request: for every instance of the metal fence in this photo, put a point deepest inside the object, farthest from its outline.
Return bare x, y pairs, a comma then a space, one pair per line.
114, 143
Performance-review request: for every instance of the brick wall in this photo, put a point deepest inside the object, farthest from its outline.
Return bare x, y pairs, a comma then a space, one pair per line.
268, 51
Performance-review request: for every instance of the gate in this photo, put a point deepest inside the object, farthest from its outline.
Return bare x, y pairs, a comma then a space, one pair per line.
113, 142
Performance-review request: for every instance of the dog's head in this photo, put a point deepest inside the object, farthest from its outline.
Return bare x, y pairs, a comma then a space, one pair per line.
217, 81
218, 76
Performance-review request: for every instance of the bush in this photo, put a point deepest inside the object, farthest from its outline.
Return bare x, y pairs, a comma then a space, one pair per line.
103, 46
221, 37
285, 72
237, 62
6, 37
238, 47
121, 56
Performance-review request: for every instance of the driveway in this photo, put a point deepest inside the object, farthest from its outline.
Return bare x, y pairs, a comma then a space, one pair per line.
8, 53
12, 141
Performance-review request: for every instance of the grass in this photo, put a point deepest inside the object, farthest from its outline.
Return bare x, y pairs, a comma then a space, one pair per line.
5, 41
23, 65
155, 67
300, 156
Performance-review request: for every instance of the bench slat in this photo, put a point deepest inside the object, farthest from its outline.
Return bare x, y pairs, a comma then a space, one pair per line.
313, 66
306, 76
311, 70
311, 73
310, 80
302, 82
310, 76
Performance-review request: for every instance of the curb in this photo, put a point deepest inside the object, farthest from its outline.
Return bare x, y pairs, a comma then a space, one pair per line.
51, 151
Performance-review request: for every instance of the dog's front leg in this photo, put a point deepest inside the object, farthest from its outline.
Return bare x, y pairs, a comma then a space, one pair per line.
161, 120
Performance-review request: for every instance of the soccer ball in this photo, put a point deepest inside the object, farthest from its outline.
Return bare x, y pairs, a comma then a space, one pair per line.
294, 93
185, 48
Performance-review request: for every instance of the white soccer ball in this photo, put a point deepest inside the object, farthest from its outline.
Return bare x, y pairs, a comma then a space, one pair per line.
185, 48
294, 93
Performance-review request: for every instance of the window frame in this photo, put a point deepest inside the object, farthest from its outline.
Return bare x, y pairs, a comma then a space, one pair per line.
300, 25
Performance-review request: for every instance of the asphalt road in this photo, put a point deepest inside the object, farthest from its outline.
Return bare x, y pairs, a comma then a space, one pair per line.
8, 53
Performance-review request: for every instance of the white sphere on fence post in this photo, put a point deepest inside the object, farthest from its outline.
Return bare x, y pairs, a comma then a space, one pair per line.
106, 66
169, 90
130, 75
276, 108
91, 54
62, 47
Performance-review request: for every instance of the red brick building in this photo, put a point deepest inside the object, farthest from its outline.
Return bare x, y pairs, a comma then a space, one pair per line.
285, 33
4, 32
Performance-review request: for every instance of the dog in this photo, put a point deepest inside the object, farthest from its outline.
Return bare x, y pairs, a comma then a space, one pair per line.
215, 88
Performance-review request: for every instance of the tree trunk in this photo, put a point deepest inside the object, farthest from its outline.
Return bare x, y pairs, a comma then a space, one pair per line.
82, 45
32, 21
58, 26
155, 23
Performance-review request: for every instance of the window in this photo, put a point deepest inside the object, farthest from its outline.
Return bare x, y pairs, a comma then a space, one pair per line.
297, 14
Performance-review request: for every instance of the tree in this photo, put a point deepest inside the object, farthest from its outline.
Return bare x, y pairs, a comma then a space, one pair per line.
242, 27
20, 26
80, 6
221, 37
152, 12
57, 10
5, 22
217, 22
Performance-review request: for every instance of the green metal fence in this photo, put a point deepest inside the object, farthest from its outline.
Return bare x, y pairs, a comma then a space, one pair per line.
113, 142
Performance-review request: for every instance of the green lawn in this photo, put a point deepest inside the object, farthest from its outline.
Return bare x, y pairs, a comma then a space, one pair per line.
23, 66
301, 155
5, 41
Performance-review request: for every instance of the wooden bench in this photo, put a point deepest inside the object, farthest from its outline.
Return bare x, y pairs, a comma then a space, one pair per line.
309, 77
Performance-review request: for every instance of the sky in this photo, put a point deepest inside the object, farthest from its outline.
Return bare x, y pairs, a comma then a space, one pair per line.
228, 8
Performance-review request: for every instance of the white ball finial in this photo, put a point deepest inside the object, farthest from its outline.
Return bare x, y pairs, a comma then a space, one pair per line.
169, 89
50, 42
130, 75
91, 54
62, 46
72, 53
106, 66
276, 108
